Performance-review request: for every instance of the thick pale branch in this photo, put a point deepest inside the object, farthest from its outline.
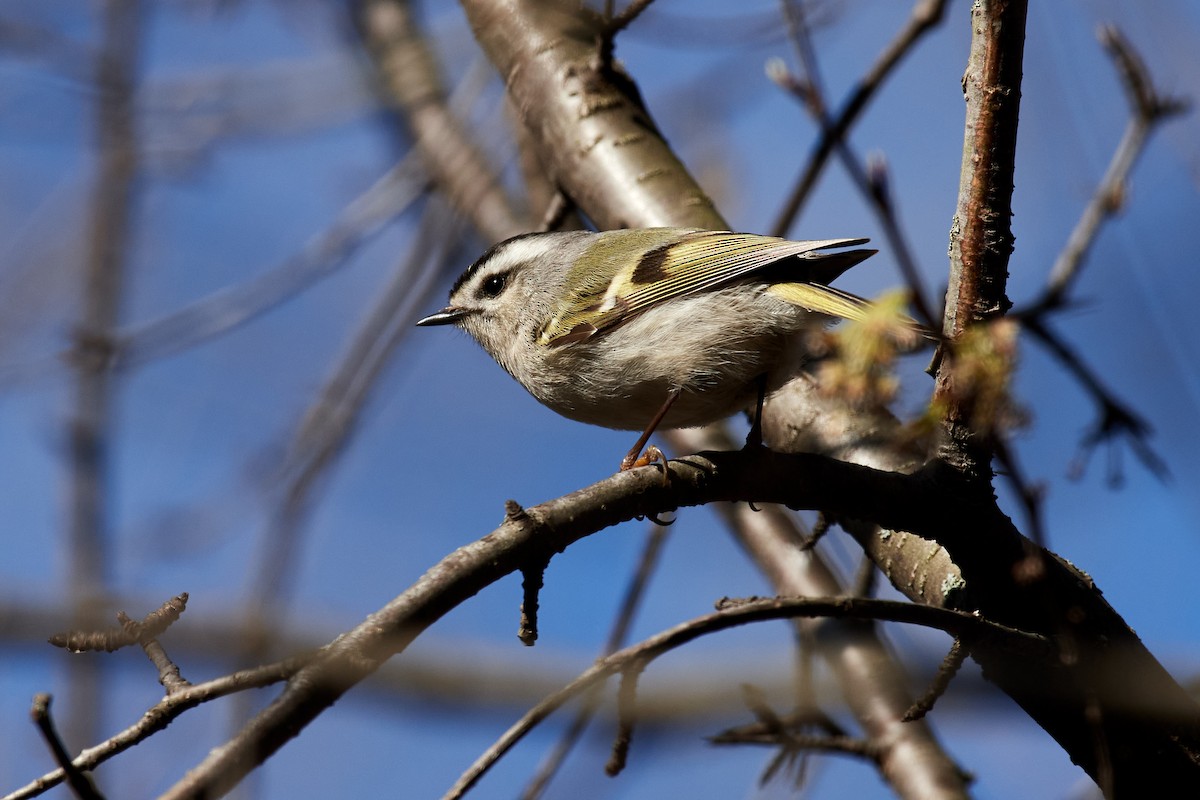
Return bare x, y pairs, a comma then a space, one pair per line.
598, 141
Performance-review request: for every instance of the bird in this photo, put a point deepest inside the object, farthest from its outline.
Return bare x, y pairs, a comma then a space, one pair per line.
648, 328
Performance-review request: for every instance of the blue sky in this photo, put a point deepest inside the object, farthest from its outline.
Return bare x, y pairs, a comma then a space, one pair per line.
447, 437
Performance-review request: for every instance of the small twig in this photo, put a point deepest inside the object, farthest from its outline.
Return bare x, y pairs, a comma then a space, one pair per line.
155, 623
946, 671
1149, 109
162, 714
801, 741
635, 592
108, 640
625, 18
82, 785
531, 585
795, 742
168, 671
626, 716
130, 632
820, 528
791, 754
1115, 418
556, 212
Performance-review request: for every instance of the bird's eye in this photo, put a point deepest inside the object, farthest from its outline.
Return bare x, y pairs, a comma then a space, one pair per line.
494, 285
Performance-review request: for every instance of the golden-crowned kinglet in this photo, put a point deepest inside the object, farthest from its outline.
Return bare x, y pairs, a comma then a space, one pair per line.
637, 329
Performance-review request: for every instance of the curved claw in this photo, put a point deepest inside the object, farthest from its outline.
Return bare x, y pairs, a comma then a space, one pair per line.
652, 455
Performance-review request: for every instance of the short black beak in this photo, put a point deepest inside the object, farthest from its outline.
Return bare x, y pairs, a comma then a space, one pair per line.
447, 316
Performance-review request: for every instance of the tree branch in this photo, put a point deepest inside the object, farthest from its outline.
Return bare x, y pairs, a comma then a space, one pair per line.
1149, 110
981, 237
162, 714
757, 610
1149, 722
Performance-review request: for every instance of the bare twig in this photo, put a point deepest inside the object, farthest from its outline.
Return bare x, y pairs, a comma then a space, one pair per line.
819, 530
626, 716
793, 742
622, 20
162, 714
152, 625
168, 671
949, 667
532, 577
1149, 110
80, 784
788, 733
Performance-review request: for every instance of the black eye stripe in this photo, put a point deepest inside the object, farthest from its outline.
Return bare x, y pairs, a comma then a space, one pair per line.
486, 257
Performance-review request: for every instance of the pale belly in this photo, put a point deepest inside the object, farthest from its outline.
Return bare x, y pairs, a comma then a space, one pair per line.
715, 351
